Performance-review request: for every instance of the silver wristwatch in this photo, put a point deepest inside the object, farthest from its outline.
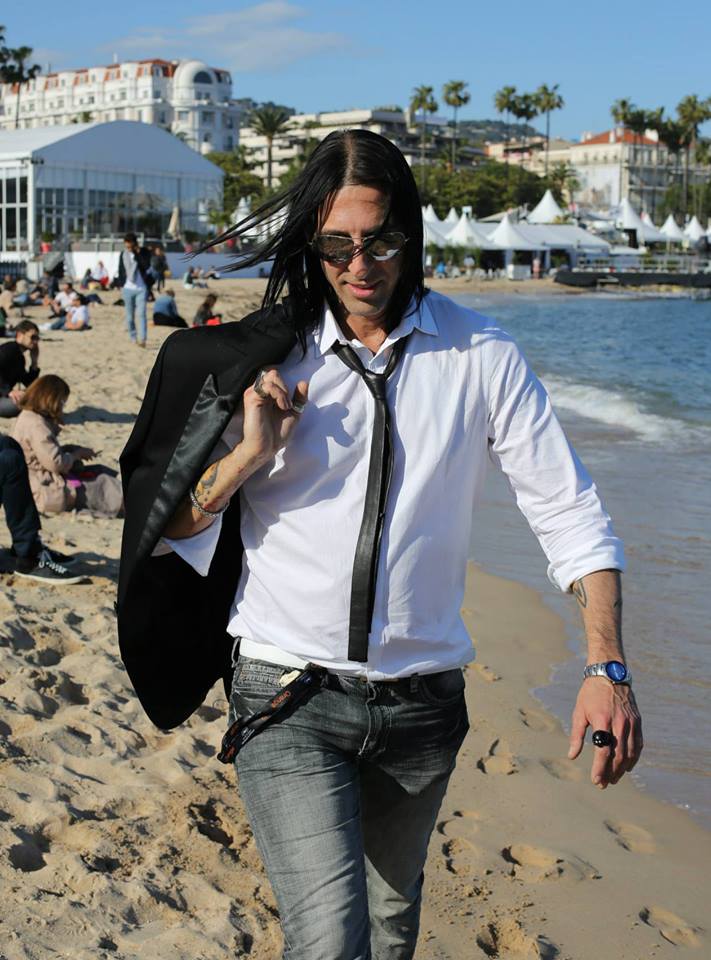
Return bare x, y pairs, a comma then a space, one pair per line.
612, 670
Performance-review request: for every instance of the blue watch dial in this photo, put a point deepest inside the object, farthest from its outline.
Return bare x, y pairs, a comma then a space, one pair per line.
616, 671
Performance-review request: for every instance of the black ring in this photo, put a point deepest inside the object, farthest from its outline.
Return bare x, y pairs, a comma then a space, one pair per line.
601, 738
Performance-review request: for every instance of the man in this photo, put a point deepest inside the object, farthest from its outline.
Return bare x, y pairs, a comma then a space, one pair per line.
135, 282
345, 474
33, 559
62, 301
12, 366
165, 311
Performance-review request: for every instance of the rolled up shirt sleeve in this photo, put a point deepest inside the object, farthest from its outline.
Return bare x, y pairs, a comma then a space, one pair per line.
199, 549
552, 488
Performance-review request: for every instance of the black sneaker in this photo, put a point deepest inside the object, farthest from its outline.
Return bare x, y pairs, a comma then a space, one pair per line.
64, 559
44, 569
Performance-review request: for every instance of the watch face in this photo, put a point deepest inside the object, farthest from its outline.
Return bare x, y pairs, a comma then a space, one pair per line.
616, 671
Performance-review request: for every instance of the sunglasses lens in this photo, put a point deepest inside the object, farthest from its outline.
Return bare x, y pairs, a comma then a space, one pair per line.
341, 249
386, 246
335, 249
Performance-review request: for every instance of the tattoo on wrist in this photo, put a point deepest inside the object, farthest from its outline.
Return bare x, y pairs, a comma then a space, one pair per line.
204, 485
580, 594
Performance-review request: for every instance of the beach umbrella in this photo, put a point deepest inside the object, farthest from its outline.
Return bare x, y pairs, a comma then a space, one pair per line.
671, 230
174, 223
546, 211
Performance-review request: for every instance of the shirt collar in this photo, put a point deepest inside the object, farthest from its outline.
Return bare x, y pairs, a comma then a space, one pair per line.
420, 318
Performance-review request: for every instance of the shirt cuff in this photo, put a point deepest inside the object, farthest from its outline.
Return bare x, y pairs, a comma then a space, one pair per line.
610, 557
199, 549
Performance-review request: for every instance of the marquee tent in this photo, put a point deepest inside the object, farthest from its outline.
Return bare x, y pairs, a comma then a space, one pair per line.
671, 230
651, 233
693, 230
510, 237
546, 211
468, 233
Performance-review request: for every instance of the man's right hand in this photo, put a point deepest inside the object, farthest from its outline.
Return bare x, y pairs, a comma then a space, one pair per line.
270, 419
34, 355
16, 396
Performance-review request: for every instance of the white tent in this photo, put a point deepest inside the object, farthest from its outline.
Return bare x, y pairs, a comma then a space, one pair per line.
693, 230
650, 233
671, 230
563, 236
467, 233
510, 237
433, 234
629, 219
546, 211
452, 216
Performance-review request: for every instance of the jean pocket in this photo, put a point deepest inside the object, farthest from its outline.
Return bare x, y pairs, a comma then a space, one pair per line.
442, 689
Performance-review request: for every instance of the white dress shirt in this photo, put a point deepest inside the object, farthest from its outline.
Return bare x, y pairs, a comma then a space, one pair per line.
461, 394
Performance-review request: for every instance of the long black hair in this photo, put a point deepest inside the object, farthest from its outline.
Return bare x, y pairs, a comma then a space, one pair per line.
343, 158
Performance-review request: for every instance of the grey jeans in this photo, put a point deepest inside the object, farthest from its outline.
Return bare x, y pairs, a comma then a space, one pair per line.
342, 796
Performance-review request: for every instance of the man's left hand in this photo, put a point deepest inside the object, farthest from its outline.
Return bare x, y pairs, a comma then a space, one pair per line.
606, 706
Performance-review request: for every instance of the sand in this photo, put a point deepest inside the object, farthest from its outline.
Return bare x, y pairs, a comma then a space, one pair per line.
119, 841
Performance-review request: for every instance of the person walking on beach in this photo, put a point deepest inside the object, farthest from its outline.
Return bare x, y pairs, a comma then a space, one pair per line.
304, 480
135, 282
13, 370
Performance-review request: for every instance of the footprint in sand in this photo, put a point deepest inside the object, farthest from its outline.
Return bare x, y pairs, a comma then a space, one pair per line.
631, 837
537, 720
498, 760
563, 770
461, 857
462, 823
507, 938
672, 927
28, 854
534, 864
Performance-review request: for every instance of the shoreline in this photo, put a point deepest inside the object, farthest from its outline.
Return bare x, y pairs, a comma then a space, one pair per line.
122, 841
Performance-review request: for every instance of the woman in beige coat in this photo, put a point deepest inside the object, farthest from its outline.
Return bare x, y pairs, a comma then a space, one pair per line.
58, 477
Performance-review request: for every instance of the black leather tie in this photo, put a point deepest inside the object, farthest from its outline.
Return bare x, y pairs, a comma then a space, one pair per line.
365, 565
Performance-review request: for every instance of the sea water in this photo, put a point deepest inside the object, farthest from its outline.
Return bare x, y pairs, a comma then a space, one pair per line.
631, 382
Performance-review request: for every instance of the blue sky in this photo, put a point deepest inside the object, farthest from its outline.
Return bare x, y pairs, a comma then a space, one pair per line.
326, 54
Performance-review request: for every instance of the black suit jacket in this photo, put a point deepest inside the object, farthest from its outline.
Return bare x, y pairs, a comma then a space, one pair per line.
12, 367
172, 622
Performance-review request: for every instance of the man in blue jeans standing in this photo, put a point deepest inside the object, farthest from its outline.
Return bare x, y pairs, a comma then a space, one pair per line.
135, 281
321, 513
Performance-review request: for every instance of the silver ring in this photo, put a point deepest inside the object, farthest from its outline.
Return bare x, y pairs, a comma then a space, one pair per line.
258, 388
298, 406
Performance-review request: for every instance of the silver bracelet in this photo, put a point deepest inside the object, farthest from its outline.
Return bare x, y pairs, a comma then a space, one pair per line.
200, 509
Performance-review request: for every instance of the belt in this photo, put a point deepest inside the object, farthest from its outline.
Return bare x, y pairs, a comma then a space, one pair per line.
268, 653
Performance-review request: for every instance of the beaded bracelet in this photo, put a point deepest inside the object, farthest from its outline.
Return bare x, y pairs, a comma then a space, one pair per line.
206, 513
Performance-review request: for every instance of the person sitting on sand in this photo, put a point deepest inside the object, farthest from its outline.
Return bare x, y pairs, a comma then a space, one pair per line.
13, 371
58, 476
61, 303
33, 559
165, 311
205, 315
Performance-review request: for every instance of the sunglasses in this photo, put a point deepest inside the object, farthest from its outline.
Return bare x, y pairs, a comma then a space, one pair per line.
381, 247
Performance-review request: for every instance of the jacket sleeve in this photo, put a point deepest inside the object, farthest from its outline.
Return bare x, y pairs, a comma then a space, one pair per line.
48, 450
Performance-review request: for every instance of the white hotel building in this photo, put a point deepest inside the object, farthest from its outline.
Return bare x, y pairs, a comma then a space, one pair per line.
186, 97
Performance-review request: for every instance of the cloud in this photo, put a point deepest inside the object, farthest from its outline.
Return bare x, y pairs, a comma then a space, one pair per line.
257, 38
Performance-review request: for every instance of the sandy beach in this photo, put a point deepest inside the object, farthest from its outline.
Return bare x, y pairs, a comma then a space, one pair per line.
120, 841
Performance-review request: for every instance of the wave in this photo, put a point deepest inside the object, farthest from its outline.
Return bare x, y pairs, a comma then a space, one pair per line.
617, 409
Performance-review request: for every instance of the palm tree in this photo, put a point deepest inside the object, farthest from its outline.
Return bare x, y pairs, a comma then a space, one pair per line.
691, 112
455, 95
504, 101
637, 121
525, 108
621, 110
423, 100
270, 122
548, 99
671, 134
13, 69
655, 121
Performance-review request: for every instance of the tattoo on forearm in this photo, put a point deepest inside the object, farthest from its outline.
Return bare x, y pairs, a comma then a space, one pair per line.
206, 482
617, 605
580, 594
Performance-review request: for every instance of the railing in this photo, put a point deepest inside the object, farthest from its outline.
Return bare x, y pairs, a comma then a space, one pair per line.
644, 264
